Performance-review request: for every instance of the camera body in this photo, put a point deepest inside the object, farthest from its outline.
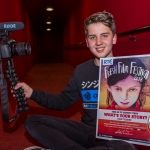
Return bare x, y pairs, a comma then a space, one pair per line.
10, 48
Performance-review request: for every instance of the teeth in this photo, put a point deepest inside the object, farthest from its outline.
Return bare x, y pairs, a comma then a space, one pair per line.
99, 49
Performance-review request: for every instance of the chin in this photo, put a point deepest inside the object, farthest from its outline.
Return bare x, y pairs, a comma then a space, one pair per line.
101, 56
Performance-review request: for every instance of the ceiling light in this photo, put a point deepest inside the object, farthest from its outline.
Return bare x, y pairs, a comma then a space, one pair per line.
48, 22
49, 9
48, 29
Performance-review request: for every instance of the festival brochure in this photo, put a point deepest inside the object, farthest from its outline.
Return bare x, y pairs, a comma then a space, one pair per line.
123, 111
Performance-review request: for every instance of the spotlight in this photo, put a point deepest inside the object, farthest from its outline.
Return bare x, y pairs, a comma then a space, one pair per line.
48, 22
49, 9
48, 29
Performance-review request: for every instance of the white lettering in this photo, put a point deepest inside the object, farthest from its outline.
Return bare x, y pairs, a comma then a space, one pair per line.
7, 26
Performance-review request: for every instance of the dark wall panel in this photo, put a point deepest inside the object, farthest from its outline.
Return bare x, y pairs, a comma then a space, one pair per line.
49, 47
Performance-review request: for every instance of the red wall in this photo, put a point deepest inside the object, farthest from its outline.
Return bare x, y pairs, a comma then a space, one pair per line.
13, 10
128, 15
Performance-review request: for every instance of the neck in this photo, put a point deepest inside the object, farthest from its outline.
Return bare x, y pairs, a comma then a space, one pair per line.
96, 62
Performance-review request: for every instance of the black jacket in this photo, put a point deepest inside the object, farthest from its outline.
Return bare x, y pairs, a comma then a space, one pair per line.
84, 83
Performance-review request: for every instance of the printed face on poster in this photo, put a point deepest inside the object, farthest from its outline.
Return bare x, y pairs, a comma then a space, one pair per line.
123, 106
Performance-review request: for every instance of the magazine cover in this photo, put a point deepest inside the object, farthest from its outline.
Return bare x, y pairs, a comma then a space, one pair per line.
124, 99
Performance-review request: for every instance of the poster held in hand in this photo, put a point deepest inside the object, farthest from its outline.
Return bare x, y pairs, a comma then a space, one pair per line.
124, 99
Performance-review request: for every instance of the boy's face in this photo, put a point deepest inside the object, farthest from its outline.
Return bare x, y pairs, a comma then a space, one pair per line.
100, 40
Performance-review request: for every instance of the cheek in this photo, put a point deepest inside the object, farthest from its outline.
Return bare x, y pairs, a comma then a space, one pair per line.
110, 43
90, 44
115, 94
134, 96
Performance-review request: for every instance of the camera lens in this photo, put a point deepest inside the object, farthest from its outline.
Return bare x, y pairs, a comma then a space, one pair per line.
21, 48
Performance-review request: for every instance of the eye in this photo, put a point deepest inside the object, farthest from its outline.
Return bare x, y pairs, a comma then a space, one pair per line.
92, 37
133, 90
104, 35
118, 89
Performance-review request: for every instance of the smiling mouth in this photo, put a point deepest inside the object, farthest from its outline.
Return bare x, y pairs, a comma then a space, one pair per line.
99, 50
124, 103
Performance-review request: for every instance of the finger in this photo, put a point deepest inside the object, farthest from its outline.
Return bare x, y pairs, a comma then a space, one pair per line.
145, 83
144, 89
14, 95
148, 87
147, 94
18, 85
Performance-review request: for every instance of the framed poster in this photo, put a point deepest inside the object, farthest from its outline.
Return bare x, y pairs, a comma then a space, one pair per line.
123, 99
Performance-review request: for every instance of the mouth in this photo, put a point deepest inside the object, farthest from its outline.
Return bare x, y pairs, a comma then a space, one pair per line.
99, 50
124, 103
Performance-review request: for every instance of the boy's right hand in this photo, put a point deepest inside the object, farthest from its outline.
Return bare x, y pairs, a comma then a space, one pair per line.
27, 90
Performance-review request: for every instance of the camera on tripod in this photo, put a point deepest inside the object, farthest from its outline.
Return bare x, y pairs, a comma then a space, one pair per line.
9, 47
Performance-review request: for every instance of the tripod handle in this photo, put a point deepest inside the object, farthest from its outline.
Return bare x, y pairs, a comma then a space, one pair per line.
19, 93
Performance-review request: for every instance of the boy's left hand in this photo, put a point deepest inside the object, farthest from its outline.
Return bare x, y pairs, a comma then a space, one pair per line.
146, 89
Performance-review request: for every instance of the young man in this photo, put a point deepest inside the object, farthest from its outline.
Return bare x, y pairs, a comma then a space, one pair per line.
63, 134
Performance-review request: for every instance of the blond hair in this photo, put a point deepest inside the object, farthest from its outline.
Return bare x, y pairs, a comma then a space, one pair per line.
104, 17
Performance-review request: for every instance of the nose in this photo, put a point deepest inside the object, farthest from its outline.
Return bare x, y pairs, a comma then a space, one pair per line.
98, 41
124, 95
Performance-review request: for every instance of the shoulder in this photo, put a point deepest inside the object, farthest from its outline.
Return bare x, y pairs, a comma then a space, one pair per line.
87, 64
87, 69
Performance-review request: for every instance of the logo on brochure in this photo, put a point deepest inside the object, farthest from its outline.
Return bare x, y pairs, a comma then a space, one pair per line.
108, 61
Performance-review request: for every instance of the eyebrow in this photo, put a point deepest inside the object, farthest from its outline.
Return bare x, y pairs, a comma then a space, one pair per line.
100, 34
105, 33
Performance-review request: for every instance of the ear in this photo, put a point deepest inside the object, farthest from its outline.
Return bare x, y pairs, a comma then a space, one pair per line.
87, 43
115, 39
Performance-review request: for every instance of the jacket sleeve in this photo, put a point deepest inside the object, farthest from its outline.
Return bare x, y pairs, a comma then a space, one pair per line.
60, 101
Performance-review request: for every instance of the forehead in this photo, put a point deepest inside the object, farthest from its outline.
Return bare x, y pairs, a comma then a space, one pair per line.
128, 82
98, 28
